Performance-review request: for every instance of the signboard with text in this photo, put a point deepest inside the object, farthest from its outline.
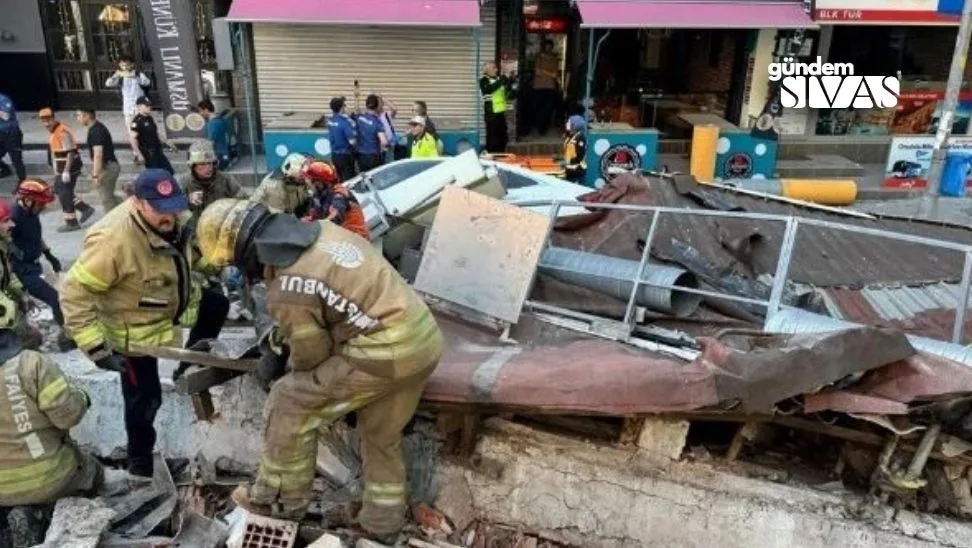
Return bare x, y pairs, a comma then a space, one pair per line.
910, 159
881, 11
172, 40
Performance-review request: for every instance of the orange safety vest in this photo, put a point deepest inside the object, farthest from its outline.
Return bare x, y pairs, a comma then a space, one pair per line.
56, 141
354, 219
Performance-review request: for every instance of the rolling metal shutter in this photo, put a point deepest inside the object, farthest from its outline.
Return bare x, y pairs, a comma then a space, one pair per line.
300, 67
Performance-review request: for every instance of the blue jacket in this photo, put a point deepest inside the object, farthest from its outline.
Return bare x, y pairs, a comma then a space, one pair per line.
217, 131
8, 114
340, 131
369, 126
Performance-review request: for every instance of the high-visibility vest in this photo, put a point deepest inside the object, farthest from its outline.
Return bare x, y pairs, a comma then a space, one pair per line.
425, 146
498, 97
58, 152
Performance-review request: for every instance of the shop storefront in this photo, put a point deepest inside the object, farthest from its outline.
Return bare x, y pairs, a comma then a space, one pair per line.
85, 39
308, 52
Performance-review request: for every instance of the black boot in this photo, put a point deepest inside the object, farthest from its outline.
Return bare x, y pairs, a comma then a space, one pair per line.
86, 211
69, 225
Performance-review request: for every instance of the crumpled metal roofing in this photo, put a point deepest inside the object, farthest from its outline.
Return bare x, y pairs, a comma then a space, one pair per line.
824, 257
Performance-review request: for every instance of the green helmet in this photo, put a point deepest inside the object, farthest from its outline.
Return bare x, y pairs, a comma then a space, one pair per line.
201, 152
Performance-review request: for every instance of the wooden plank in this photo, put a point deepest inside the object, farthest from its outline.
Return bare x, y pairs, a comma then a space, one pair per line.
202, 405
203, 379
196, 357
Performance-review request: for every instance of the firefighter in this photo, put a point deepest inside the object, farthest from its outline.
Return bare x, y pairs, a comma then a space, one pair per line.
283, 195
132, 287
66, 162
204, 183
12, 294
329, 199
39, 462
359, 339
27, 246
575, 150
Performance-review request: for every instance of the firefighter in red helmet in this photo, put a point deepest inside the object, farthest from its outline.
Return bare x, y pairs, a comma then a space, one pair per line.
329, 199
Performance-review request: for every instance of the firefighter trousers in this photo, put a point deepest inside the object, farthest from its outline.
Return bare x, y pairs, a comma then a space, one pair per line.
303, 401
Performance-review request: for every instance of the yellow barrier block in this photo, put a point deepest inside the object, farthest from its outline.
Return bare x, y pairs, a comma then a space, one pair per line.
835, 192
703, 158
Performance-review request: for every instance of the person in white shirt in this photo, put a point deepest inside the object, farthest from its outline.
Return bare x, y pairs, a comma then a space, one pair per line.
132, 83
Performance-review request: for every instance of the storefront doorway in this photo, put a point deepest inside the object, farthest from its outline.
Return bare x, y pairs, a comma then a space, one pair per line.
85, 39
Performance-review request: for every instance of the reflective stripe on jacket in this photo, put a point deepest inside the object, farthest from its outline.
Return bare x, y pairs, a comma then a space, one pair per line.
343, 297
425, 146
59, 152
129, 286
39, 406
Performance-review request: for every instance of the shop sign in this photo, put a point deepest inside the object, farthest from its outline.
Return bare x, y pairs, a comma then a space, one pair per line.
910, 159
822, 85
881, 11
556, 25
171, 38
621, 158
917, 113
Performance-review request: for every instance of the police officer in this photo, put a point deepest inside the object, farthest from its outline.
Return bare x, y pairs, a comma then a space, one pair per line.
372, 140
11, 139
360, 339
146, 135
39, 462
340, 132
494, 88
132, 286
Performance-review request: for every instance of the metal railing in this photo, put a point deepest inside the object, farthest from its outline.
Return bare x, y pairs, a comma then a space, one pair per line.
792, 226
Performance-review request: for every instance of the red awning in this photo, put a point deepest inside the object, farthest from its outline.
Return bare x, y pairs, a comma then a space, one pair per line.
701, 14
435, 13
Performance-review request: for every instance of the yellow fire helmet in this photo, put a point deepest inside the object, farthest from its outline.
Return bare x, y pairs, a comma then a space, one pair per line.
225, 227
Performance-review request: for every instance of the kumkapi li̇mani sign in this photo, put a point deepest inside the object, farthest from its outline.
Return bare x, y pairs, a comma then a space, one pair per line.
831, 86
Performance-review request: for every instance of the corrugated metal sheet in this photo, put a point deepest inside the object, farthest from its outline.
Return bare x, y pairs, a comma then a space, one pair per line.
300, 67
823, 257
928, 311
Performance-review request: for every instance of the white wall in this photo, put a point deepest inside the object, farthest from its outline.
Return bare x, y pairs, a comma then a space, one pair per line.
21, 18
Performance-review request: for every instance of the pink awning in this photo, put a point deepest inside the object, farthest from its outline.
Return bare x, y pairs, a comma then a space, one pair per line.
434, 13
701, 14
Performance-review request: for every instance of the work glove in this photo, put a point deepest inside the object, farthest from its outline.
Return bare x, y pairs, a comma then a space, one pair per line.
112, 362
65, 177
55, 264
271, 367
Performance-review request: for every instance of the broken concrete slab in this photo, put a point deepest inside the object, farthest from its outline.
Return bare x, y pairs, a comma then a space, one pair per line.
78, 523
606, 497
199, 531
147, 517
327, 541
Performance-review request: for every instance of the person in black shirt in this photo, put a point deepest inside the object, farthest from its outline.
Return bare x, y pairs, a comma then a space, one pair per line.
104, 164
146, 135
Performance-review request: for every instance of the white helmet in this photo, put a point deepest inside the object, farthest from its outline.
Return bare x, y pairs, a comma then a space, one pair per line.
293, 165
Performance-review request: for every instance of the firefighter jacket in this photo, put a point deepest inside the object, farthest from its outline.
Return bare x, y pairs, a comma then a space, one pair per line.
282, 197
341, 297
62, 143
575, 156
220, 186
130, 286
338, 205
37, 457
11, 289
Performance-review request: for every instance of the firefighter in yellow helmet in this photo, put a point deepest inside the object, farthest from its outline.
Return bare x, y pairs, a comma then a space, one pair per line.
131, 287
39, 463
359, 338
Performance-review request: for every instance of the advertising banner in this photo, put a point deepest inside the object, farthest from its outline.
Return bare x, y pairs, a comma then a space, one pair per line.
910, 159
917, 113
172, 41
882, 11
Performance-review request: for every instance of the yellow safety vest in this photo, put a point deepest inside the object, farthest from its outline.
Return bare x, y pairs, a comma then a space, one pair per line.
498, 97
425, 146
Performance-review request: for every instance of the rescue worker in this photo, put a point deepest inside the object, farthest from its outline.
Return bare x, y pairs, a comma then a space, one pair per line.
494, 88
372, 140
329, 199
39, 462
132, 287
66, 162
27, 246
283, 195
575, 150
340, 132
423, 143
204, 183
12, 294
360, 339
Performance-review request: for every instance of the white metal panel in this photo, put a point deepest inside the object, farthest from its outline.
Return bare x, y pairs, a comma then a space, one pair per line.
300, 67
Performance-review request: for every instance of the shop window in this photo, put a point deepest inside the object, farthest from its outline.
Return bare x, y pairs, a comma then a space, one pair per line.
65, 31
110, 27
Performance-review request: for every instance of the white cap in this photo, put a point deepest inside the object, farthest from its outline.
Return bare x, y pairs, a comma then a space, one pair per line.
420, 120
